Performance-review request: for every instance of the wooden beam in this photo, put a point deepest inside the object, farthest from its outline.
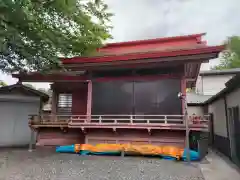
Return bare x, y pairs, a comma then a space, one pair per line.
190, 79
89, 100
159, 60
31, 140
54, 104
183, 90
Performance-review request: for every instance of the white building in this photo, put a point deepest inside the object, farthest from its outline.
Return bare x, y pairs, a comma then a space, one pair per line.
211, 82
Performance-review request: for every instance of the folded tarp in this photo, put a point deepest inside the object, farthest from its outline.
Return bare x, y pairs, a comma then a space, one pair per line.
166, 152
66, 149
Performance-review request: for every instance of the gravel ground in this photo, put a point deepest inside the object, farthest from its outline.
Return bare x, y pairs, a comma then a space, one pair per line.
48, 165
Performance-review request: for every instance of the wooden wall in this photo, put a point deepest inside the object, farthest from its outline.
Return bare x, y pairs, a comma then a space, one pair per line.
79, 95
56, 137
176, 138
79, 101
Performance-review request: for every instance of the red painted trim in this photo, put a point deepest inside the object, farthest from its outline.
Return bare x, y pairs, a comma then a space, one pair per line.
48, 77
84, 78
139, 77
203, 50
157, 40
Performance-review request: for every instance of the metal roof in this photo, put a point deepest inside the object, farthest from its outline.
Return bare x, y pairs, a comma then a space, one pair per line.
194, 98
20, 86
219, 72
231, 85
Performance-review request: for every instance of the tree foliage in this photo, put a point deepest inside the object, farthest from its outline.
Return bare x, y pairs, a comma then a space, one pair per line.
230, 58
34, 33
2, 83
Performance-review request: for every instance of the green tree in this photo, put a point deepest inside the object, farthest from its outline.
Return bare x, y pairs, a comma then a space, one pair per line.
2, 83
34, 33
230, 58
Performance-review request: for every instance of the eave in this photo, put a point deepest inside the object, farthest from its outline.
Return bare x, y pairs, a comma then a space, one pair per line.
191, 59
147, 55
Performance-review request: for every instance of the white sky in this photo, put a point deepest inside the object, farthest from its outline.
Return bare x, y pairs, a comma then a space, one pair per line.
144, 19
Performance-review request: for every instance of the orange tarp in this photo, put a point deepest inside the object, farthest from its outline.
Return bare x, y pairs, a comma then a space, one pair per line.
130, 148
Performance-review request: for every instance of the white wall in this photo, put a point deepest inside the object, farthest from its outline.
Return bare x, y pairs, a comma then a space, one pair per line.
211, 85
219, 117
197, 110
233, 99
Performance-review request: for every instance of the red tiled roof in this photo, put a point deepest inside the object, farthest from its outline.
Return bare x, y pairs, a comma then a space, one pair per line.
144, 55
157, 40
152, 48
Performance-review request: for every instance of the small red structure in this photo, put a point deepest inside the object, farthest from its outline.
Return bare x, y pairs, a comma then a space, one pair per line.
126, 93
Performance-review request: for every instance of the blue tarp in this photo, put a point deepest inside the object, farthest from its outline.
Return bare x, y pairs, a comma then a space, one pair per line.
194, 155
65, 149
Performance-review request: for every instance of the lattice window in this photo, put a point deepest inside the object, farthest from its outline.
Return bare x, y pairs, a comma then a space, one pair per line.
64, 103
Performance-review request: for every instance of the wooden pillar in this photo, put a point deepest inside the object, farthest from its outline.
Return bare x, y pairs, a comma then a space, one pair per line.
53, 104
187, 147
31, 140
183, 90
89, 100
40, 109
185, 116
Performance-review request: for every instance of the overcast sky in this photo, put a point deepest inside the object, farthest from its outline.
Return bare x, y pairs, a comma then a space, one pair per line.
144, 19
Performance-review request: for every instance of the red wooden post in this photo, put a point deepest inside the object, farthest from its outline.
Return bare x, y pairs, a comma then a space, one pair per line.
89, 100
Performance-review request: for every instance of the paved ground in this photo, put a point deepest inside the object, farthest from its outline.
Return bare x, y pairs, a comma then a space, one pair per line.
48, 165
219, 168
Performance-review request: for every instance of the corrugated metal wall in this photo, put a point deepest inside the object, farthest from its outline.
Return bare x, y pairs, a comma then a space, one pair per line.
14, 129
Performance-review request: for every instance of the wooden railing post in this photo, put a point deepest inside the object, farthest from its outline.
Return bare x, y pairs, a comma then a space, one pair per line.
131, 119
165, 119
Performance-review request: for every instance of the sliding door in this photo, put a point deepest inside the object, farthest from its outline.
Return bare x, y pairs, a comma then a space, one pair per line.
157, 97
112, 97
137, 97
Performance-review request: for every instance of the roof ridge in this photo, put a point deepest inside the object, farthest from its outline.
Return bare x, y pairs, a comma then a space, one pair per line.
163, 39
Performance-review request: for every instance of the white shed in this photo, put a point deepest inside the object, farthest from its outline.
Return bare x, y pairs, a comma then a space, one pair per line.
17, 102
